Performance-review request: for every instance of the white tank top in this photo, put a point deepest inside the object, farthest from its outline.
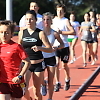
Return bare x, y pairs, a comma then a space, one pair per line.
51, 39
75, 25
61, 24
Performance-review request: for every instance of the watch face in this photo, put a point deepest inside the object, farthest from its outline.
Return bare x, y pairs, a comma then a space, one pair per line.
20, 77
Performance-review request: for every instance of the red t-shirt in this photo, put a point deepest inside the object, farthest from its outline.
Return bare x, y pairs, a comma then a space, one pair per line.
11, 55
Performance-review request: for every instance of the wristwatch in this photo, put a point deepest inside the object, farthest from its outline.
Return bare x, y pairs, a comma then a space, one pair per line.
20, 77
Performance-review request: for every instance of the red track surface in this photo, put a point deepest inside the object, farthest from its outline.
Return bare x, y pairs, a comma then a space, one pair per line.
78, 76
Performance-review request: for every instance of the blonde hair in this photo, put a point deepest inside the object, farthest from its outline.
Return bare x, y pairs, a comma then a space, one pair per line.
48, 14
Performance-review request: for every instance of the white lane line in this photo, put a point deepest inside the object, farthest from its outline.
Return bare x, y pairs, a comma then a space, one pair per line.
30, 87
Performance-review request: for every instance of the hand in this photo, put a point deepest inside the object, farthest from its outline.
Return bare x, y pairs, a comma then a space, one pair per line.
59, 31
35, 48
16, 80
55, 48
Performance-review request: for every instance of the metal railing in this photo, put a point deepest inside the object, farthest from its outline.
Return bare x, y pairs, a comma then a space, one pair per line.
85, 85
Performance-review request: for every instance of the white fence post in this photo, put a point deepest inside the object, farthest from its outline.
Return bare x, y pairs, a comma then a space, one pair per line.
9, 10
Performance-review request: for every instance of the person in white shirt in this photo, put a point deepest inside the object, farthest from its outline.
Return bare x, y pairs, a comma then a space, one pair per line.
64, 28
72, 39
33, 6
49, 58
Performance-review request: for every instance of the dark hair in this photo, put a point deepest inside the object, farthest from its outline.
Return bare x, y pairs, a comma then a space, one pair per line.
72, 12
87, 13
32, 12
62, 6
10, 24
34, 1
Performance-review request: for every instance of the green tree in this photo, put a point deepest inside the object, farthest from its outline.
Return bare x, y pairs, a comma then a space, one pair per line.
21, 6
78, 6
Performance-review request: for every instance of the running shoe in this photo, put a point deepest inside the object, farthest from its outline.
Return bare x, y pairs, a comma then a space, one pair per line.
93, 63
85, 64
71, 62
67, 85
57, 87
96, 58
74, 58
44, 89
89, 59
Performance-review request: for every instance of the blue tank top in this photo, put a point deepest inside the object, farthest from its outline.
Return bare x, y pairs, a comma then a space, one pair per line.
31, 40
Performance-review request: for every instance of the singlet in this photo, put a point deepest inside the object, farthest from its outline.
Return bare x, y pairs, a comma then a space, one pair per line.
86, 35
31, 40
61, 24
94, 34
38, 22
51, 39
11, 56
75, 25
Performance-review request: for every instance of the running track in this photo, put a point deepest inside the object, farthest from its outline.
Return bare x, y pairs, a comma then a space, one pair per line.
78, 76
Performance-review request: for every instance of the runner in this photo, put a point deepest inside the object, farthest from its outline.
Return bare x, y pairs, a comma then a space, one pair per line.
64, 28
11, 74
95, 41
33, 6
86, 38
92, 14
49, 58
72, 39
32, 39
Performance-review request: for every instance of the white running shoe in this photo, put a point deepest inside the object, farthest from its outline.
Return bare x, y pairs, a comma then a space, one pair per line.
93, 63
71, 62
74, 58
96, 58
84, 64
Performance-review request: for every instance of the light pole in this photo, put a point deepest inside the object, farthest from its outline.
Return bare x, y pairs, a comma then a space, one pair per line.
9, 10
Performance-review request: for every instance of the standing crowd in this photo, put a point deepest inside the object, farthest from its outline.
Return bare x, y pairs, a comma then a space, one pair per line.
44, 42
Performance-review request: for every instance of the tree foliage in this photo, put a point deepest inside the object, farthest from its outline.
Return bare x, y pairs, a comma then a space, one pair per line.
77, 6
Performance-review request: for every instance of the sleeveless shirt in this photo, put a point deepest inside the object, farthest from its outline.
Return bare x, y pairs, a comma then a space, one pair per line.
75, 25
86, 35
61, 25
32, 40
51, 39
